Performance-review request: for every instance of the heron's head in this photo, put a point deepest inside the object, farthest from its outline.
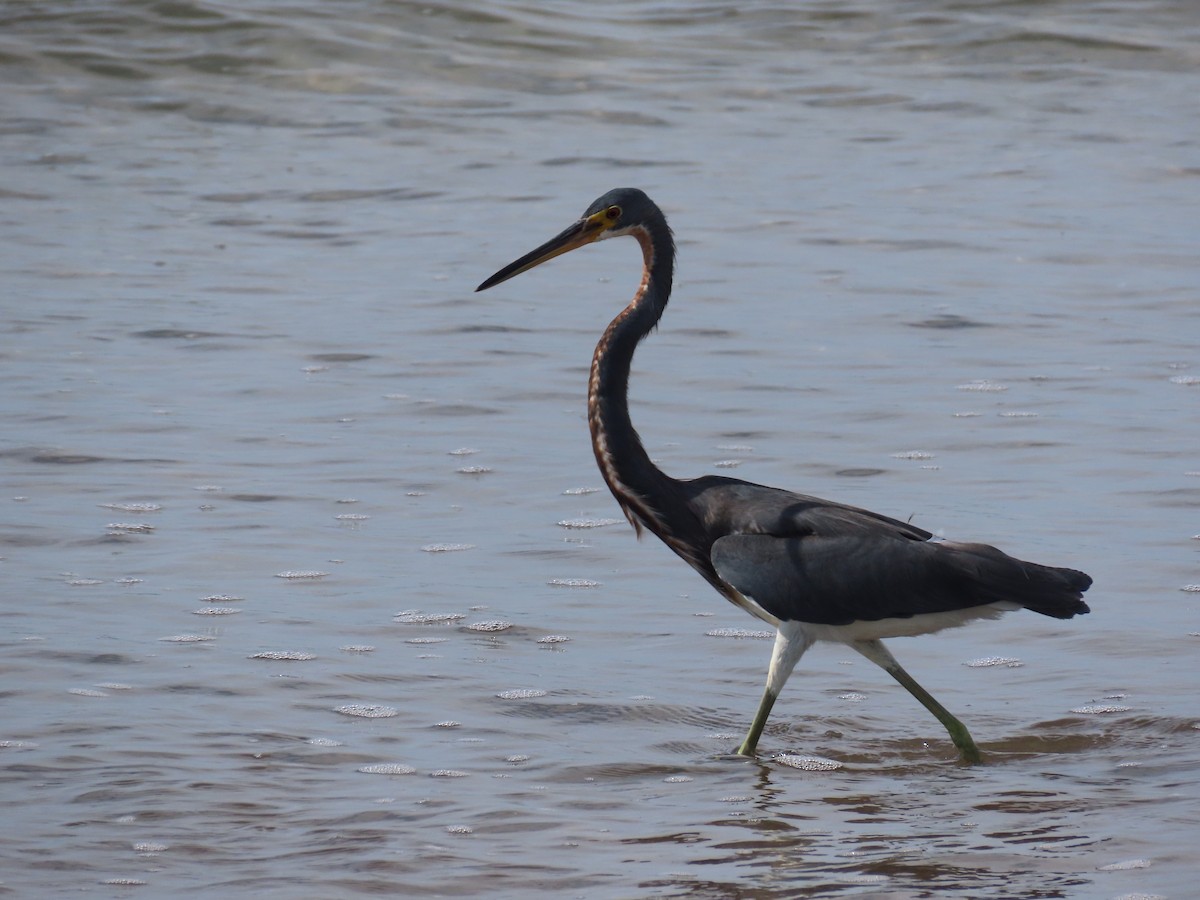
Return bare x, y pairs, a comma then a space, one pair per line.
618, 212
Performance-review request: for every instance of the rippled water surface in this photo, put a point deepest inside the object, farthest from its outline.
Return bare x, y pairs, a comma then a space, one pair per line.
310, 586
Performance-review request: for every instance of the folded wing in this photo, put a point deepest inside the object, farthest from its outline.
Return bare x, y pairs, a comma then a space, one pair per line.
848, 577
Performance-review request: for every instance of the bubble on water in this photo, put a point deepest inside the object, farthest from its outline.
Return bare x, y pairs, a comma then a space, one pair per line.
1125, 865
416, 617
188, 638
495, 625
447, 725
853, 697
1100, 709
129, 528
447, 548
84, 582
351, 517
129, 581
516, 758
573, 582
521, 694
727, 463
987, 661
968, 414
459, 829
736, 448
1018, 414
357, 648
807, 763
221, 598
678, 779
216, 611
912, 454
124, 882
113, 686
588, 523
324, 742
426, 641
733, 799
739, 633
553, 639
1191, 588
1184, 379
87, 692
447, 773
150, 847
387, 769
983, 385
364, 711
463, 451
283, 655
132, 507
208, 488
301, 575
18, 745
474, 470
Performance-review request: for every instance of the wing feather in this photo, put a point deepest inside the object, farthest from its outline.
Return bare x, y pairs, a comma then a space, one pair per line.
855, 577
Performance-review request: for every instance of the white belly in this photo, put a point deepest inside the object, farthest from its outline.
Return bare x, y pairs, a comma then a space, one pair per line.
923, 623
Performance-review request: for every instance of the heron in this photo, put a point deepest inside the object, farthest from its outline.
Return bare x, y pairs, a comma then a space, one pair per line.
814, 569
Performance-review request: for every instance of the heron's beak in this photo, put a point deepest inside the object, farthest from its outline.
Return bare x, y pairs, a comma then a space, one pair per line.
585, 231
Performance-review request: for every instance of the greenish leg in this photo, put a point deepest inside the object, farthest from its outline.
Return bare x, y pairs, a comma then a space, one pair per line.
791, 641
957, 730
750, 744
878, 654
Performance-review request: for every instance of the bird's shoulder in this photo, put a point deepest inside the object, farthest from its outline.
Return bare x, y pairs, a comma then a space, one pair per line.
728, 506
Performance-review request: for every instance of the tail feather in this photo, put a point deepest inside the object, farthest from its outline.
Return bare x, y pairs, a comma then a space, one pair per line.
1048, 590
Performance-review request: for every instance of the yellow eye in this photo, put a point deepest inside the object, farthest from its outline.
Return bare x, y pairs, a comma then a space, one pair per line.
613, 213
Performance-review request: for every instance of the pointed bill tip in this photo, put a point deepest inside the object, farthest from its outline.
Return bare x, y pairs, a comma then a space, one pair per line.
585, 231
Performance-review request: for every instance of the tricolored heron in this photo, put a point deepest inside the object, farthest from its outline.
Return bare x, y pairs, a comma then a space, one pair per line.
814, 569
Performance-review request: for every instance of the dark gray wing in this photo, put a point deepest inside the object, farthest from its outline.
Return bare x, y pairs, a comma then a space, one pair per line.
729, 506
860, 577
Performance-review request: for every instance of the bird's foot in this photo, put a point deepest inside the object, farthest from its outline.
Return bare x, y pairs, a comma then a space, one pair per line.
966, 745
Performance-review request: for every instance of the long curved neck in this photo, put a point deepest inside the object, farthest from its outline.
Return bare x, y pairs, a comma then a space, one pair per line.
633, 479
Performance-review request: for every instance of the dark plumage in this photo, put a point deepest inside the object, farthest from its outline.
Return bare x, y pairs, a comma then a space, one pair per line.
814, 569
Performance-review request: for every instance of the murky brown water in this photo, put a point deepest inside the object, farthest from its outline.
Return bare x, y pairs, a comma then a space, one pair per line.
306, 588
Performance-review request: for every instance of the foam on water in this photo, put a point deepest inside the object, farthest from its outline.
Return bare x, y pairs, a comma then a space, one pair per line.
387, 769
367, 711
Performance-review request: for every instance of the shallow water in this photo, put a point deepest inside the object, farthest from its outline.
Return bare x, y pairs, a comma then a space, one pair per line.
311, 587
